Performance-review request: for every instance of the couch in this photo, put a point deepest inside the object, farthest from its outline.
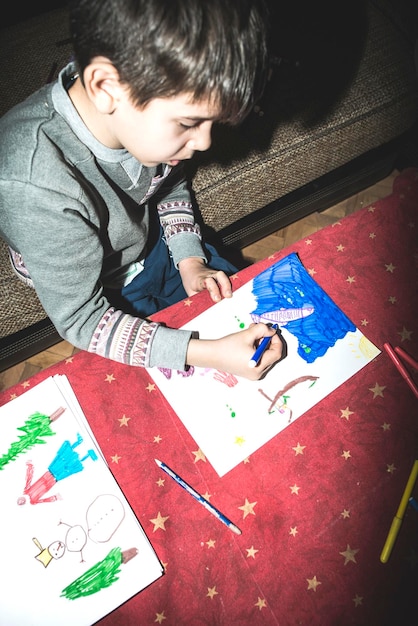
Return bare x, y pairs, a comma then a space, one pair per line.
339, 113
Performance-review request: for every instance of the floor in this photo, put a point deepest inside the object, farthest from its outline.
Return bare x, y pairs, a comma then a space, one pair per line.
257, 251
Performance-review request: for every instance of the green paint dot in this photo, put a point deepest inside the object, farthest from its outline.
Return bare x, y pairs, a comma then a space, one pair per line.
231, 412
241, 324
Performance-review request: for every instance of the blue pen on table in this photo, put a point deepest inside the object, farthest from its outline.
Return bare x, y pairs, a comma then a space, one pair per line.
264, 344
208, 506
413, 503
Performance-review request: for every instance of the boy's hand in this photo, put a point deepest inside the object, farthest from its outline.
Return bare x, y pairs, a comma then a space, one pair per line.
196, 276
232, 353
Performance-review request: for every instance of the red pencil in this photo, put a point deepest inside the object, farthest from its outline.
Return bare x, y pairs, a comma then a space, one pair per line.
406, 357
401, 368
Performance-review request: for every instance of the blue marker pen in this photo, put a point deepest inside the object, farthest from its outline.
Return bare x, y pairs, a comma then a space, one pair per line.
208, 506
253, 362
413, 503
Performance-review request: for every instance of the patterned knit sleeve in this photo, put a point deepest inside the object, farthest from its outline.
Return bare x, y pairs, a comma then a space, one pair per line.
123, 338
181, 232
176, 218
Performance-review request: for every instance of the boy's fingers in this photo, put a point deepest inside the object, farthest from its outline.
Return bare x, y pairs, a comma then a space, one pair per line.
218, 285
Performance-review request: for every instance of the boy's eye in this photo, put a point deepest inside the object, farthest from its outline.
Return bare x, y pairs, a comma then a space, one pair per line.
188, 126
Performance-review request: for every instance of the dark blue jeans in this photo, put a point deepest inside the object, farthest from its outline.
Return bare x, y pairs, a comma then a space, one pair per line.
159, 284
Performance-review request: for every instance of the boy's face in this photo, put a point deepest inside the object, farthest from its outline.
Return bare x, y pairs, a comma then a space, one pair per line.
167, 130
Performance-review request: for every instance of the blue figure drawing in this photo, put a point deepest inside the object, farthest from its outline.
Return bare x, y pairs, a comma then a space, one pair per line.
66, 462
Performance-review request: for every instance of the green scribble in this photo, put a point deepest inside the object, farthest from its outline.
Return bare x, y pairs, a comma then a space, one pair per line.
99, 576
36, 426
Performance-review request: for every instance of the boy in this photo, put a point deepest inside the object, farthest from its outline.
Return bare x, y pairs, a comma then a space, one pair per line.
94, 205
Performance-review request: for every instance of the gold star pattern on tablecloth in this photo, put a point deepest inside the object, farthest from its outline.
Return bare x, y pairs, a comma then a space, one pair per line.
123, 421
298, 449
198, 455
293, 531
405, 334
261, 603
247, 508
212, 592
211, 543
377, 390
251, 552
294, 489
345, 413
159, 522
349, 555
160, 617
110, 378
313, 583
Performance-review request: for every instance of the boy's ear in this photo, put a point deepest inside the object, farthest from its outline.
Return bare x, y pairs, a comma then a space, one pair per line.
102, 85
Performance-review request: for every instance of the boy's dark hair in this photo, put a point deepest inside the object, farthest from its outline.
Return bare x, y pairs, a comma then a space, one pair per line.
213, 49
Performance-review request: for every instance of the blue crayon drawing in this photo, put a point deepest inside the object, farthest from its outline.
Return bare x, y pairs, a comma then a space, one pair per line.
286, 293
66, 462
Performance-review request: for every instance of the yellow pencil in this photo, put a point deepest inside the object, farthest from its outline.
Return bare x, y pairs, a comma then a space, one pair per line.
397, 520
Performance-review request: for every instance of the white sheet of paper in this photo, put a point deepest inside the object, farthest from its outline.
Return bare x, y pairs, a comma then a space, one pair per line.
231, 417
47, 545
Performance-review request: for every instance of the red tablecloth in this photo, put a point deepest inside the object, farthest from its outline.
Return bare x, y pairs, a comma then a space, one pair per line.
314, 504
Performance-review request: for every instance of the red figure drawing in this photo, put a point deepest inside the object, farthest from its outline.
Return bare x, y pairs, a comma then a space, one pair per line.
66, 462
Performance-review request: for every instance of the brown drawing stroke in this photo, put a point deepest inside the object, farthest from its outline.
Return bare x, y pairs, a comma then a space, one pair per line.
286, 388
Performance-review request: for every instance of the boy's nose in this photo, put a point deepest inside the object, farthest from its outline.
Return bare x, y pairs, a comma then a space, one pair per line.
202, 138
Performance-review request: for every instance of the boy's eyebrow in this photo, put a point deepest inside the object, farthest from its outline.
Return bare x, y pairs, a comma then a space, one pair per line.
200, 118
